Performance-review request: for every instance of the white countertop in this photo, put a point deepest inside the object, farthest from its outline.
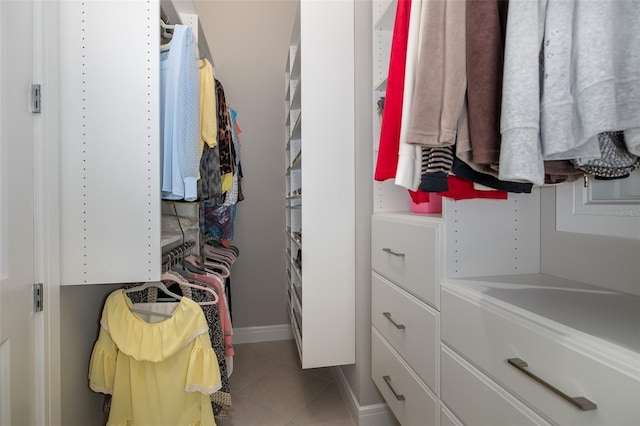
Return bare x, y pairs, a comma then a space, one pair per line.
595, 311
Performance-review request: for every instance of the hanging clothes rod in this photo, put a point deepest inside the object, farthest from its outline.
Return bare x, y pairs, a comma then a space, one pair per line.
178, 253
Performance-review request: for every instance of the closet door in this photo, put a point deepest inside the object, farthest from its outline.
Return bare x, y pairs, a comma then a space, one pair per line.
17, 269
109, 141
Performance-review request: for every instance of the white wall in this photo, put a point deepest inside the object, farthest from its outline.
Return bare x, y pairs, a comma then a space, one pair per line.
249, 42
603, 261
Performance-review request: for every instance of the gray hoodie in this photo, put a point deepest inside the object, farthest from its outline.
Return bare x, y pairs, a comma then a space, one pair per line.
572, 70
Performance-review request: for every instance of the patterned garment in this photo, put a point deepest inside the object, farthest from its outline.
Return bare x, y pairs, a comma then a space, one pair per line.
220, 400
436, 165
225, 141
219, 221
615, 162
210, 182
232, 195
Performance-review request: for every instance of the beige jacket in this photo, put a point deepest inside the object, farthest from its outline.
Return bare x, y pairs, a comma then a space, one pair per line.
441, 80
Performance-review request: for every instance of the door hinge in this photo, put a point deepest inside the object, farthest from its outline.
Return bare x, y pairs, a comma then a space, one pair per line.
35, 98
38, 297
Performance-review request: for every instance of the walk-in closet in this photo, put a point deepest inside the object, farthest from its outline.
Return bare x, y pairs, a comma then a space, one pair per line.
259, 183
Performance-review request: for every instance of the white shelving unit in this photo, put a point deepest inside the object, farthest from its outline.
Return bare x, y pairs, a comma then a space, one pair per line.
320, 183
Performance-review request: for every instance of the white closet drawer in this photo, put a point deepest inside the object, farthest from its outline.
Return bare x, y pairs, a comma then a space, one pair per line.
488, 335
405, 249
410, 326
411, 402
447, 418
477, 400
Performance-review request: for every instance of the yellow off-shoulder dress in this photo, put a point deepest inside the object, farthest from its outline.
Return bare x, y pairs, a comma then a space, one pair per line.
160, 374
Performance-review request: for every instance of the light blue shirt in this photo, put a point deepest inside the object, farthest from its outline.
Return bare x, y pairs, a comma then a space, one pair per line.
180, 116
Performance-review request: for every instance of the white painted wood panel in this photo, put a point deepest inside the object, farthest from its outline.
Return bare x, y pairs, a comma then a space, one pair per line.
109, 142
492, 237
321, 165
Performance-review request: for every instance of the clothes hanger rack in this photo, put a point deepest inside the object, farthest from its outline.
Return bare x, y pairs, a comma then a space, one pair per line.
177, 254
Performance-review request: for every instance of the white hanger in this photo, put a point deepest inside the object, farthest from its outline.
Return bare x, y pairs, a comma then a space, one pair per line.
158, 284
165, 27
171, 276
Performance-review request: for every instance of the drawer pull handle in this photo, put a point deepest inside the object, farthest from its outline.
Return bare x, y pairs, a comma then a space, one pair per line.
398, 326
387, 380
388, 250
581, 402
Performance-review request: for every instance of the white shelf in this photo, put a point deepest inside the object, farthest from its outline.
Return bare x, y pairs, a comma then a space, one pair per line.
386, 21
381, 86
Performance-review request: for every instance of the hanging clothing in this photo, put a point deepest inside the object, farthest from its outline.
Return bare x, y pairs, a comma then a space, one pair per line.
233, 195
463, 170
409, 156
387, 160
225, 319
157, 373
419, 197
225, 141
179, 116
220, 399
486, 27
441, 78
583, 81
219, 220
208, 113
210, 182
436, 165
462, 189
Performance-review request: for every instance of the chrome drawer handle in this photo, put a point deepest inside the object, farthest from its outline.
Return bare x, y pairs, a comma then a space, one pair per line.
387, 380
581, 402
388, 316
388, 250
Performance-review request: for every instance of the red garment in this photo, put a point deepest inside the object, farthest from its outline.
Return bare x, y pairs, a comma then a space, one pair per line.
462, 189
392, 115
419, 197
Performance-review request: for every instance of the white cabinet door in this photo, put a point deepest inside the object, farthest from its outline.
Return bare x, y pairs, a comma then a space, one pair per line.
17, 270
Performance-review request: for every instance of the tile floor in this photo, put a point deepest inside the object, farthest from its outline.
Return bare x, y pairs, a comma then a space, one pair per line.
269, 388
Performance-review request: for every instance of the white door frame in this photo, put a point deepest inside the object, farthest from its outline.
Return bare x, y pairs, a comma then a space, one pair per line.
47, 239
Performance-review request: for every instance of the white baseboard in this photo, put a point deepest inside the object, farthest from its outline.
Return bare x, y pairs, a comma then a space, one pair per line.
265, 333
367, 415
